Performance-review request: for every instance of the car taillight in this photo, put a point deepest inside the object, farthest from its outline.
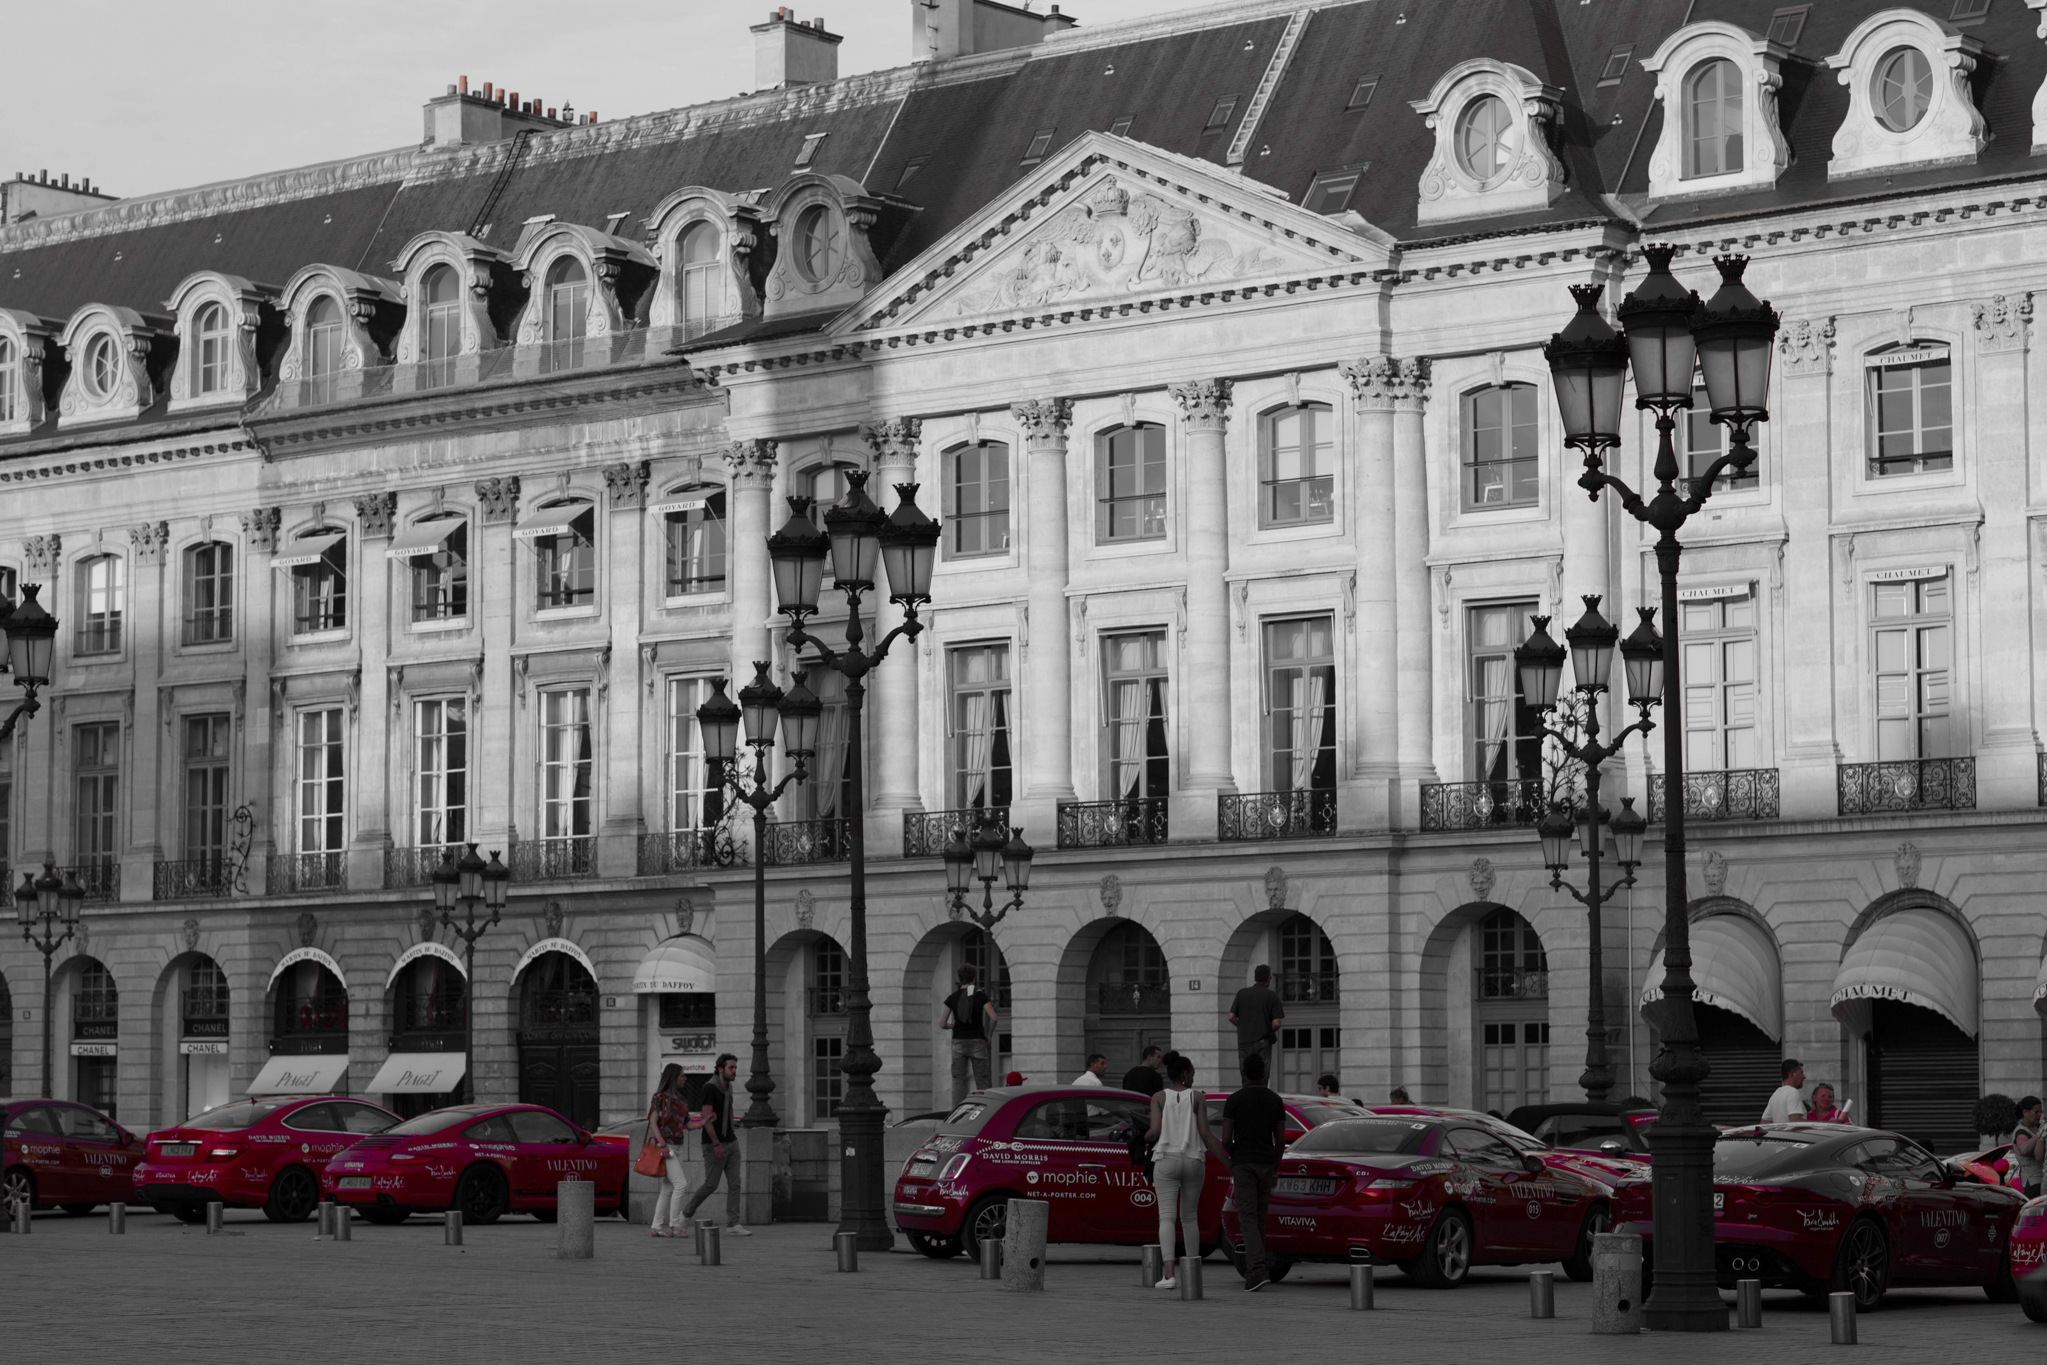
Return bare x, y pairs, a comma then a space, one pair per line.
2032, 1215
223, 1153
1379, 1188
1760, 1194
953, 1167
403, 1156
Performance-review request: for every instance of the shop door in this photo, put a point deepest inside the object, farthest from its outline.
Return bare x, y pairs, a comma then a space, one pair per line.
1923, 1077
561, 1074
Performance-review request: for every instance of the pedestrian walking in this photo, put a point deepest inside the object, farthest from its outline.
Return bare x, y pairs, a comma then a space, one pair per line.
2028, 1146
1253, 1120
668, 1116
1144, 1078
1181, 1139
1257, 1013
721, 1151
970, 1014
1787, 1105
1097, 1067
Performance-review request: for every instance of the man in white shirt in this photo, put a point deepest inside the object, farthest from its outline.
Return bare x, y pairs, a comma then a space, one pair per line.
1097, 1064
1788, 1104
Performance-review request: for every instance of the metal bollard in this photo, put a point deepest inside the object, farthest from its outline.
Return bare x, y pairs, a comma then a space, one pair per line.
325, 1226
991, 1259
1361, 1282
575, 1220
117, 1218
1151, 1265
1748, 1303
846, 1246
451, 1228
1542, 1293
216, 1216
698, 1232
24, 1216
1187, 1271
714, 1253
1841, 1317
344, 1220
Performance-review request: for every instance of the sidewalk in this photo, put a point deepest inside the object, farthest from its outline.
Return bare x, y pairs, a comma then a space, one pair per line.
261, 1293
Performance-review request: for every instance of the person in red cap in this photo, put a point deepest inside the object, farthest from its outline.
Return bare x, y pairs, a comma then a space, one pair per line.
1013, 1078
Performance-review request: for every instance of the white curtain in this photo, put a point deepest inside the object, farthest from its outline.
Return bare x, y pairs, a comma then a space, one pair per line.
1307, 724
1496, 696
1127, 740
973, 747
828, 767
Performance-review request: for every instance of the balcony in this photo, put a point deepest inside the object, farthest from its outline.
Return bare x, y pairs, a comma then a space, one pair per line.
825, 1001
192, 879
1306, 988
1907, 784
1275, 815
927, 832
1722, 794
1113, 824
807, 841
1133, 997
684, 850
1498, 984
1481, 805
554, 860
102, 881
405, 867
293, 873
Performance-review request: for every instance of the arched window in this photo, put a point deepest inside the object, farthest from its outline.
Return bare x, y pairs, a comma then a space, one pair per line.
1512, 964
565, 541
568, 300
441, 292
209, 331
1712, 111
203, 1002
101, 590
1500, 446
102, 365
977, 499
312, 1011
819, 247
1485, 139
1307, 962
696, 542
1130, 483
209, 593
703, 291
1298, 465
323, 338
1903, 88
10, 379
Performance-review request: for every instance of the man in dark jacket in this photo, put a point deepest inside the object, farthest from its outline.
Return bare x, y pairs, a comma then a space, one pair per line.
1145, 1077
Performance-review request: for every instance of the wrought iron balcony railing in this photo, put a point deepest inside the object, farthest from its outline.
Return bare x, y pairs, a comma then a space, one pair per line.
927, 832
1722, 794
405, 867
1275, 815
1133, 997
807, 841
1113, 824
1306, 988
825, 1000
102, 881
684, 849
192, 879
554, 860
1481, 805
1907, 784
291, 873
1512, 985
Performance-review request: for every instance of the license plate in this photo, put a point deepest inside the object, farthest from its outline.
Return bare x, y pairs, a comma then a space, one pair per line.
1297, 1184
178, 1148
1719, 1201
354, 1182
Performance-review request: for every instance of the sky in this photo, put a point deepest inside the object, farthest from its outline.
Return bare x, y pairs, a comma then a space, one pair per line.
141, 96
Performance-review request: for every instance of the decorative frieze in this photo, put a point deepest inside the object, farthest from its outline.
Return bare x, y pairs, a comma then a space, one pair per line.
259, 527
1805, 346
2001, 322
41, 553
499, 497
1204, 403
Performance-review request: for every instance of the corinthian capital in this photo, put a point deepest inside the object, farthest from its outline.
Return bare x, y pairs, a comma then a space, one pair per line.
893, 441
1381, 383
751, 464
1044, 421
1204, 403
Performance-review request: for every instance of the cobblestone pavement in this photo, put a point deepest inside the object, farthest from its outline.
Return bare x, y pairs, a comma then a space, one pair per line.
264, 1293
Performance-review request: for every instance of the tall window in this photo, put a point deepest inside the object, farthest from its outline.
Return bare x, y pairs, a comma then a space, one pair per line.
1300, 705
977, 499
1712, 131
209, 593
206, 790
100, 600
1513, 1012
210, 353
568, 300
1298, 474
323, 347
696, 786
1500, 455
695, 525
1485, 139
1502, 725
1705, 443
828, 794
1307, 962
827, 1044
980, 726
1911, 412
443, 771
95, 820
1136, 753
319, 581
566, 546
1512, 963
322, 781
565, 764
440, 571
10, 380
441, 292
1720, 684
1913, 647
1130, 483
826, 486
703, 291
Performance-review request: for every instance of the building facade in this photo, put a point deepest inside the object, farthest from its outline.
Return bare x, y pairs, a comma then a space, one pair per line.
414, 500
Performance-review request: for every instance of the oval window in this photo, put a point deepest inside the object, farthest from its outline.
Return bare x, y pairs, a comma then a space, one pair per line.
1904, 88
102, 365
1485, 131
817, 244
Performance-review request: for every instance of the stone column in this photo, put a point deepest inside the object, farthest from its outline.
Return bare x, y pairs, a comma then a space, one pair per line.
493, 700
2007, 768
146, 738
1372, 690
1803, 418
1047, 644
255, 725
750, 470
1416, 647
36, 738
371, 788
892, 690
618, 691
1205, 774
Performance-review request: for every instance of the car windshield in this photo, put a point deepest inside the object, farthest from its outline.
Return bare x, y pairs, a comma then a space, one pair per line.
230, 1117
1314, 1115
1755, 1153
1364, 1136
437, 1122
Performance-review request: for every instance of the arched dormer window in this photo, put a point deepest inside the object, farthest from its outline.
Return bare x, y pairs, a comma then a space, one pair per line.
567, 300
210, 349
822, 223
820, 243
1909, 97
563, 534
1485, 140
703, 278
1712, 119
342, 327
323, 346
441, 327
24, 341
1492, 155
1718, 86
705, 240
227, 328
118, 356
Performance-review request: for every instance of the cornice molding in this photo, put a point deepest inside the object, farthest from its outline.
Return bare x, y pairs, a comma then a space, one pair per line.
96, 466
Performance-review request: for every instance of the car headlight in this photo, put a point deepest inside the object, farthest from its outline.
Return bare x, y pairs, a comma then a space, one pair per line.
952, 1168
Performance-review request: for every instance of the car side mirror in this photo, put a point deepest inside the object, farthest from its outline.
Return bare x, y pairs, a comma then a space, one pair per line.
1533, 1164
1612, 1147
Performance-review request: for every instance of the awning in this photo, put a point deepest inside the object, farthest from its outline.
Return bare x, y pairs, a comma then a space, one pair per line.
310, 550
694, 503
1916, 957
2040, 988
417, 1073
298, 955
553, 945
554, 521
424, 538
1734, 967
680, 966
300, 1075
418, 951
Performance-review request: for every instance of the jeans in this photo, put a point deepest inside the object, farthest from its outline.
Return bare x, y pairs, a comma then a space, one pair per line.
1254, 1181
1263, 1048
674, 1186
714, 1167
1178, 1181
969, 1053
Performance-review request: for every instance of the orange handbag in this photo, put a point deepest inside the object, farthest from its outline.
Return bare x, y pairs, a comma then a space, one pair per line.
653, 1157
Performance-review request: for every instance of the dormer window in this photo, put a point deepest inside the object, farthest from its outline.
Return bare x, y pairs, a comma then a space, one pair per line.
703, 288
1904, 89
568, 300
210, 358
1717, 83
441, 297
1910, 102
102, 368
817, 243
1492, 145
1713, 119
1485, 135
10, 379
324, 333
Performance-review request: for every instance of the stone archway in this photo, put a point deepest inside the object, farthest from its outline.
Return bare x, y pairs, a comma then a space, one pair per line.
1303, 961
1471, 998
190, 1035
1114, 997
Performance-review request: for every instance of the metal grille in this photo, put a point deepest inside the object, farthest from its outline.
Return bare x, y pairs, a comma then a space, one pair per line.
554, 860
293, 872
1133, 997
1722, 794
826, 1000
926, 833
1275, 815
1511, 985
192, 879
1306, 988
1479, 805
416, 866
684, 849
102, 881
1113, 824
807, 841
1908, 784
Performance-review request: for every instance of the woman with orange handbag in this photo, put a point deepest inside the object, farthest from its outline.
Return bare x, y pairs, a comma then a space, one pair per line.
662, 1151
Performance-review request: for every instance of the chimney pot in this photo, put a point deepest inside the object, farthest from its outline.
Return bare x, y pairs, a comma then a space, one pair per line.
486, 91
451, 89
66, 183
462, 83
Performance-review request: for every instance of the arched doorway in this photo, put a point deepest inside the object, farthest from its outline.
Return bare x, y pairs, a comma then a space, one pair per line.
429, 1000
1510, 1012
1737, 1005
677, 986
1129, 1001
1303, 963
194, 1029
1907, 989
94, 1009
930, 977
558, 1058
308, 1027
824, 1028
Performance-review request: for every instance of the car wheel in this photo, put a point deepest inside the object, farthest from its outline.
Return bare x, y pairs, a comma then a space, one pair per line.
1277, 1267
189, 1213
78, 1210
1233, 1252
2003, 1289
937, 1248
1446, 1255
1578, 1265
986, 1221
383, 1217
17, 1187
293, 1196
1862, 1265
482, 1196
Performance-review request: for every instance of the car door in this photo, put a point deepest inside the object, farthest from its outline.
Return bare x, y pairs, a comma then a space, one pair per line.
1509, 1217
317, 1134
1927, 1219
39, 1145
551, 1150
1125, 1207
493, 1140
99, 1159
1051, 1144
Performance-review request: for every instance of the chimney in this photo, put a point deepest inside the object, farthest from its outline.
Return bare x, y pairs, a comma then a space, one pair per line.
38, 196
789, 52
957, 28
490, 113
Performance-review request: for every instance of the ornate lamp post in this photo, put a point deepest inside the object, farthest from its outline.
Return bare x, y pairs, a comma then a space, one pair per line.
761, 704
857, 534
1541, 663
1668, 337
474, 883
31, 636
44, 905
983, 856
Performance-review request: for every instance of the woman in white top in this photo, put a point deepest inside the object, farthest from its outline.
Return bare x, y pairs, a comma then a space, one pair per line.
1179, 1128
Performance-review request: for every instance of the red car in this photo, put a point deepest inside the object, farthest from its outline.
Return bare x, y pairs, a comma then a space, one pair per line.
64, 1155
1430, 1194
263, 1154
1613, 1171
487, 1160
1066, 1145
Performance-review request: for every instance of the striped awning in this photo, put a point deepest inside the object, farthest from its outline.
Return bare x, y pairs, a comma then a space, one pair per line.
309, 550
1915, 957
424, 538
1734, 967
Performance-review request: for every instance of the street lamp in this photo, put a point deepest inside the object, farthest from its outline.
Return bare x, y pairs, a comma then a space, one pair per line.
761, 704
31, 636
44, 905
983, 856
857, 534
1669, 335
1540, 660
472, 882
